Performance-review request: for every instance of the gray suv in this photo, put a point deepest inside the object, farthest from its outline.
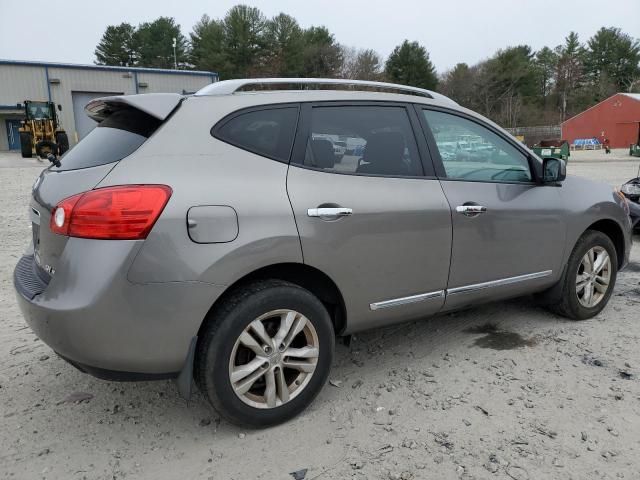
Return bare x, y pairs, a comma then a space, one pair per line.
218, 236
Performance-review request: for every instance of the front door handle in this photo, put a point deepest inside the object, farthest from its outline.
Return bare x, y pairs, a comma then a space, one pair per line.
470, 210
327, 213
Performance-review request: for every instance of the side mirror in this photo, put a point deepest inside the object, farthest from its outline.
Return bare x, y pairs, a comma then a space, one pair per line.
554, 170
59, 107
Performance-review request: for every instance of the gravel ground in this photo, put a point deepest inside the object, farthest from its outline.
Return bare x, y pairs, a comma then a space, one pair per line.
505, 391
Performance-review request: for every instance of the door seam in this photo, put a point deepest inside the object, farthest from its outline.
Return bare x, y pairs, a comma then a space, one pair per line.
446, 288
293, 213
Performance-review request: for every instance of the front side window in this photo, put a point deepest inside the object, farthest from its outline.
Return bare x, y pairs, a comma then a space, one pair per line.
268, 132
367, 140
470, 151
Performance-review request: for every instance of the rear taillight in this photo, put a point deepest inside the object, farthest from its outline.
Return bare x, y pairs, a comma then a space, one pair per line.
125, 212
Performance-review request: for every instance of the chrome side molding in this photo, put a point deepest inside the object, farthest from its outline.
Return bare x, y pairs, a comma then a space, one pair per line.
406, 300
498, 283
396, 302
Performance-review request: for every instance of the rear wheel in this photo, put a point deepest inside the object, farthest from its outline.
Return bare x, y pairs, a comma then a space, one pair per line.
591, 275
265, 353
62, 140
26, 148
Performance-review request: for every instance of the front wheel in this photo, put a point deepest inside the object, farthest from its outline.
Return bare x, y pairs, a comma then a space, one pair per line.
590, 277
265, 353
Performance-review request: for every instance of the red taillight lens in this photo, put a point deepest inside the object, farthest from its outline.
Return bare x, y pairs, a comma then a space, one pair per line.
126, 212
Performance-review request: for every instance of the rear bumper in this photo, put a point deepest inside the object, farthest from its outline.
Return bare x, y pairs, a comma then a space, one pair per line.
91, 315
118, 375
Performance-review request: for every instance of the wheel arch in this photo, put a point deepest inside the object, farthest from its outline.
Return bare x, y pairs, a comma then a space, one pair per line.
611, 229
306, 276
607, 226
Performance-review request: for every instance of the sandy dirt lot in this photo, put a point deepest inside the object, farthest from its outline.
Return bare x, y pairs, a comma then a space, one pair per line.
504, 391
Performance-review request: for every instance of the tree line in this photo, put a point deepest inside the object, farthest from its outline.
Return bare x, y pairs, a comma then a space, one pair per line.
244, 43
516, 86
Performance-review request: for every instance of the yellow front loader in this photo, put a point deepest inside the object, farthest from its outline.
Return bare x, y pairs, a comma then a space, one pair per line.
40, 131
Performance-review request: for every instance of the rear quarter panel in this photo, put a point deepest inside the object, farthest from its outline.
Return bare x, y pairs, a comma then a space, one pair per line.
202, 170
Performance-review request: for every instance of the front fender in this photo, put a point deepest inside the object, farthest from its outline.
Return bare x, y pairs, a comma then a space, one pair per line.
588, 204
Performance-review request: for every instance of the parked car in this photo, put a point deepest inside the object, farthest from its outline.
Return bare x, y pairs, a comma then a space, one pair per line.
631, 190
340, 149
211, 236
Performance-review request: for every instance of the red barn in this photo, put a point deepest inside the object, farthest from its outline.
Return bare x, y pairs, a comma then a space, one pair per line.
617, 119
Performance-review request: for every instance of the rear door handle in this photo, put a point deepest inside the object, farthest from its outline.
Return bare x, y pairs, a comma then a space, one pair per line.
471, 210
329, 213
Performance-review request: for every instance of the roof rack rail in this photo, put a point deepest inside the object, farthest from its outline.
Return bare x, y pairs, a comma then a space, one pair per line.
228, 87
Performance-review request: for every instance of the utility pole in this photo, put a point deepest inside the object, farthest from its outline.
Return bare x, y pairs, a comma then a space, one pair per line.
175, 59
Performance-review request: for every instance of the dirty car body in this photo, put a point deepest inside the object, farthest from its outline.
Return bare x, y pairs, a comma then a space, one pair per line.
247, 202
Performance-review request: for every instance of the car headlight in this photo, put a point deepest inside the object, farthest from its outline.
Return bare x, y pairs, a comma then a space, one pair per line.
623, 201
631, 188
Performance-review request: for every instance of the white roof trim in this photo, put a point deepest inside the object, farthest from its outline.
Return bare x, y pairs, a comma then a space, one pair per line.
229, 87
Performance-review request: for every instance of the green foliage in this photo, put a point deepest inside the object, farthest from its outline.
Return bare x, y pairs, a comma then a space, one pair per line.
614, 56
322, 55
284, 46
513, 71
154, 43
116, 46
519, 87
545, 62
244, 41
207, 44
458, 82
515, 86
409, 64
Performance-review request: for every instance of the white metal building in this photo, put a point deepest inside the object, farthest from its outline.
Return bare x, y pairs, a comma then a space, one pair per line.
73, 86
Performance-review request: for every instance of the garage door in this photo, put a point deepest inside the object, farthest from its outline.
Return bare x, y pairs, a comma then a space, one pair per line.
80, 99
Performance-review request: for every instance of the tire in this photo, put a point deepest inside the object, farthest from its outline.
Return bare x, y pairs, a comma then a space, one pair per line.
570, 304
63, 142
26, 148
220, 342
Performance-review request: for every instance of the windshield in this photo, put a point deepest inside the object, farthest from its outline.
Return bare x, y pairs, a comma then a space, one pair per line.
38, 111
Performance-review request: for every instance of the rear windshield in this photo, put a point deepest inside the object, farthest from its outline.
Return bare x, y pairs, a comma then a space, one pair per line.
116, 137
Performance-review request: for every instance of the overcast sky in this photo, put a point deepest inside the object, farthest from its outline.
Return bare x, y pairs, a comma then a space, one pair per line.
452, 30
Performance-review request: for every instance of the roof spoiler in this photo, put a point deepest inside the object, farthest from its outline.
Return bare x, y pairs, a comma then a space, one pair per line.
158, 105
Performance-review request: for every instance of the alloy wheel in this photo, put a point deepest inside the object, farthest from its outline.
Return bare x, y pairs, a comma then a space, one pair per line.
274, 358
593, 277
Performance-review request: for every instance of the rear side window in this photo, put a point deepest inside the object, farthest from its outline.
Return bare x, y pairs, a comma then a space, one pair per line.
364, 140
267, 132
116, 137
